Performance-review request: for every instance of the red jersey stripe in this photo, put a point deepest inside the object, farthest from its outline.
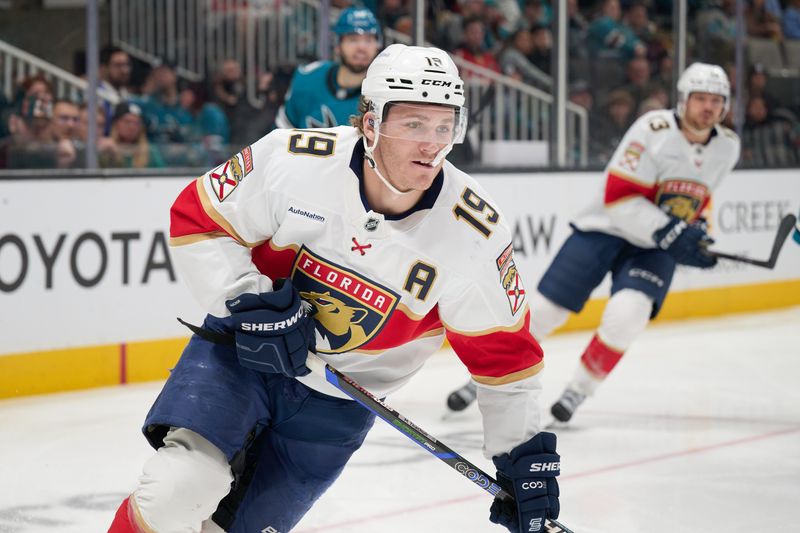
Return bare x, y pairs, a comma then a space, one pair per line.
187, 216
500, 354
619, 186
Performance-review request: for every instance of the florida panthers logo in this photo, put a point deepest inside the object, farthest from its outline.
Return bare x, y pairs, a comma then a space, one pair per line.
225, 178
351, 309
683, 199
337, 320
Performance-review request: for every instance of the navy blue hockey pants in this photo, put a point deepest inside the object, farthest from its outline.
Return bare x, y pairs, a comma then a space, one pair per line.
286, 442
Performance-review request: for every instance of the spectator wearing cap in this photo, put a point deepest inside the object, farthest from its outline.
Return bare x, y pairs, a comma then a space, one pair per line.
130, 147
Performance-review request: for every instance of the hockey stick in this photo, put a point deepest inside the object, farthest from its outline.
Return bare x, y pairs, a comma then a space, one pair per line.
421, 437
784, 229
396, 420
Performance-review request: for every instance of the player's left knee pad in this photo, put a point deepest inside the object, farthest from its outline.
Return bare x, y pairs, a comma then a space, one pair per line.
182, 483
624, 318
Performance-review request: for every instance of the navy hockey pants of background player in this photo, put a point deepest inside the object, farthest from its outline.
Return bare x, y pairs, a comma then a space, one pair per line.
285, 443
640, 280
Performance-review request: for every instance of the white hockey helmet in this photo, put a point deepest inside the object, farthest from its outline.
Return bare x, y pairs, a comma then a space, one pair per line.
703, 78
414, 75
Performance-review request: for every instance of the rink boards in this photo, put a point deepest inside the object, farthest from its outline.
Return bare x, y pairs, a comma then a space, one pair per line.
90, 296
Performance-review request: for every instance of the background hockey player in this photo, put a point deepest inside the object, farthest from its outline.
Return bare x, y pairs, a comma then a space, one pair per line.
393, 248
325, 93
645, 222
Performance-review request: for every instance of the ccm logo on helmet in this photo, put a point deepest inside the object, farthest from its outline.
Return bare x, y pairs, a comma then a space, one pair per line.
439, 83
546, 467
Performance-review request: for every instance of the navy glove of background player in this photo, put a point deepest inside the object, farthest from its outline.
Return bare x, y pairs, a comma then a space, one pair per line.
273, 330
529, 474
686, 243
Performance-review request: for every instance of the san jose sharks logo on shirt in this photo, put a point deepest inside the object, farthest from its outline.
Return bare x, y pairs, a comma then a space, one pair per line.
350, 309
682, 198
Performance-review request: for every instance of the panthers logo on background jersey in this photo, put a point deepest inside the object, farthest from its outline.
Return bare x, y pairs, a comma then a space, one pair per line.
350, 309
226, 177
682, 199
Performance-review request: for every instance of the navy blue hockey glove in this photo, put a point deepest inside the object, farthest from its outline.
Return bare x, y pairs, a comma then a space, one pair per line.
274, 331
529, 474
686, 243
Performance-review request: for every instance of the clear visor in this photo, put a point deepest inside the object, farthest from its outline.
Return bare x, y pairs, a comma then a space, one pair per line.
425, 123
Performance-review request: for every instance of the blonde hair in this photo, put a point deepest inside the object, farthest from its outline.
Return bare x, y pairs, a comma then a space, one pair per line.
140, 150
357, 121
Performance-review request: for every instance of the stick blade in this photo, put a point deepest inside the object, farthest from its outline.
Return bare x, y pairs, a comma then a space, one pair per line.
785, 228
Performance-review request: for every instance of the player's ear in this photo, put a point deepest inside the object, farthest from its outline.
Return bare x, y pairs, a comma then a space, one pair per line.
368, 122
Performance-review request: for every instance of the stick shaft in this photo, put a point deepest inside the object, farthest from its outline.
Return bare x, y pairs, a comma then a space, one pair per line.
417, 435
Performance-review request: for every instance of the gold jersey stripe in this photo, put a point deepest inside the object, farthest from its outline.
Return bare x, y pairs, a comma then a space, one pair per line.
518, 325
215, 215
510, 378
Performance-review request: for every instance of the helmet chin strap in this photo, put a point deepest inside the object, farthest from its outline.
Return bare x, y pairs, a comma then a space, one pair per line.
374, 166
368, 150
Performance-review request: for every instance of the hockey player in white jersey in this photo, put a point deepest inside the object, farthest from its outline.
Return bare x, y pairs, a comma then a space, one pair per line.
393, 249
645, 221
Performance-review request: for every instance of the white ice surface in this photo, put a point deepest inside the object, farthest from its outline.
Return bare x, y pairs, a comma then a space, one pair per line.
697, 430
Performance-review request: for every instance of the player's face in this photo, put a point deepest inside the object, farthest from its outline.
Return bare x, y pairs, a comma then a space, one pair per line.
411, 137
704, 110
358, 50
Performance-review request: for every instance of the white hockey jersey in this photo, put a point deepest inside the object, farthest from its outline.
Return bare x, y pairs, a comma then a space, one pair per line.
654, 171
387, 288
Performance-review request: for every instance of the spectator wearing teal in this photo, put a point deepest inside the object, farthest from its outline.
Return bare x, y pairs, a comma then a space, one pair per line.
608, 37
209, 131
166, 121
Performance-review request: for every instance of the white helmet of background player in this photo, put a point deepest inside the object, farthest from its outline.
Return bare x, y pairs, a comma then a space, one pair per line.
703, 78
413, 75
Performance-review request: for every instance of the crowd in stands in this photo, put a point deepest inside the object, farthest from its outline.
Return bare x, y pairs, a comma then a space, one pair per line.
620, 66
160, 122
